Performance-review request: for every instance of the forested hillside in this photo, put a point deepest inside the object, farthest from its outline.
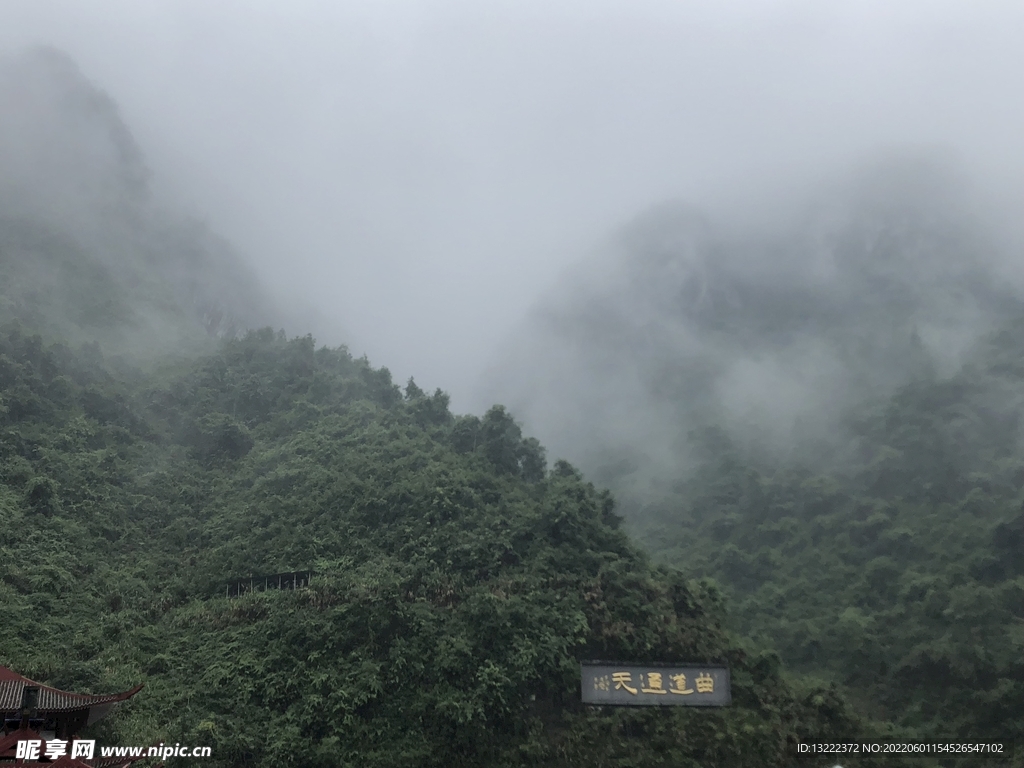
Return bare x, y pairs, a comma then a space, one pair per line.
459, 581
816, 434
901, 577
827, 423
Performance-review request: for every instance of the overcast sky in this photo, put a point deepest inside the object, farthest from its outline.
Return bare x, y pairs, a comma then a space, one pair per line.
418, 172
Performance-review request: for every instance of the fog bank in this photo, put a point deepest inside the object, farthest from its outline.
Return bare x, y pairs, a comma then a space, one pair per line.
415, 174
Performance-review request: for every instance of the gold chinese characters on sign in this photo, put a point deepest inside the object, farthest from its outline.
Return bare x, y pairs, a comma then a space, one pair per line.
633, 685
652, 682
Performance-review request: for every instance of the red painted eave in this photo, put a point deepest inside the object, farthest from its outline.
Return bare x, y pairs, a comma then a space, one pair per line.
51, 700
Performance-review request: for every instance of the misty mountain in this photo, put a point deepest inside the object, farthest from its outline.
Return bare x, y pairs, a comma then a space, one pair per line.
459, 580
823, 416
900, 574
773, 332
85, 252
812, 421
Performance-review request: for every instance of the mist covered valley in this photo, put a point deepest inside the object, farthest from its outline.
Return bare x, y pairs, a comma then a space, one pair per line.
775, 334
822, 418
779, 432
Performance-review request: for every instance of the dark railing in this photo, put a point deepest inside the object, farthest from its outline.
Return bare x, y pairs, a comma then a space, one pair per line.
290, 580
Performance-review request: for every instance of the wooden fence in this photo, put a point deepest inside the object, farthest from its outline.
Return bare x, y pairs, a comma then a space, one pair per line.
290, 580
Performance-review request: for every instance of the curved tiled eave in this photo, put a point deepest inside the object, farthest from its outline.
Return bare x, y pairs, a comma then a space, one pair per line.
51, 699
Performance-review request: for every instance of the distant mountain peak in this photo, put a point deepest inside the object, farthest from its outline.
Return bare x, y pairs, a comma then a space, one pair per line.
63, 143
685, 318
84, 251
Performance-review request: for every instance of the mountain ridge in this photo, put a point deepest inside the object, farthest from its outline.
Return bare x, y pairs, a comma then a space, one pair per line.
83, 247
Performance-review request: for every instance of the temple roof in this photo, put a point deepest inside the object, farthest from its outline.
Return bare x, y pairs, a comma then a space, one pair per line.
53, 699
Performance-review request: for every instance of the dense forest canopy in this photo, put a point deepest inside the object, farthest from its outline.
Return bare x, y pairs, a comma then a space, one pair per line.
459, 581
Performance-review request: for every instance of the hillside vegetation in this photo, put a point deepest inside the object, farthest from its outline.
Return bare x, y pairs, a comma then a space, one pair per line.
902, 577
459, 581
815, 434
825, 420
